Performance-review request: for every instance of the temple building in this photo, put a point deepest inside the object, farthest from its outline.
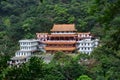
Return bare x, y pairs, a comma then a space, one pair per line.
64, 37
27, 48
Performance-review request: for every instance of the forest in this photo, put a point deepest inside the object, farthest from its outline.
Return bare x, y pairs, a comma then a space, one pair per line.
21, 19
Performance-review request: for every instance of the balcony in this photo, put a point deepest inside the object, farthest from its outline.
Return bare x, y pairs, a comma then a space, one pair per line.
62, 35
27, 44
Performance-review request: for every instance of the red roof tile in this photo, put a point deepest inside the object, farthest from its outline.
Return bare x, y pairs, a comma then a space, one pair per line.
63, 27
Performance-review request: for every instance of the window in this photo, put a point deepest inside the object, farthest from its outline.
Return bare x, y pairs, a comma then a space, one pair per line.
19, 54
16, 53
22, 53
88, 48
24, 43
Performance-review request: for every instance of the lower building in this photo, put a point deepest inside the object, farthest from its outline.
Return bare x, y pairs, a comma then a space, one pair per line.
16, 61
27, 48
86, 45
63, 37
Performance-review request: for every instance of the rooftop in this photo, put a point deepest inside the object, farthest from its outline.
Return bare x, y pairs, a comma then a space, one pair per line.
63, 27
19, 58
28, 40
42, 33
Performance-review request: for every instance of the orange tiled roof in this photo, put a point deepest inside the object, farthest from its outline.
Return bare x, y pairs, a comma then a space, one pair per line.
60, 49
41, 33
63, 27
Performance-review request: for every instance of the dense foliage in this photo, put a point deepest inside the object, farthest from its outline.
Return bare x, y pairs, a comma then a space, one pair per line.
20, 19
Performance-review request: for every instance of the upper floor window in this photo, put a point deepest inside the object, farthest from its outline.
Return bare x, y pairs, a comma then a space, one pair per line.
81, 48
88, 48
88, 43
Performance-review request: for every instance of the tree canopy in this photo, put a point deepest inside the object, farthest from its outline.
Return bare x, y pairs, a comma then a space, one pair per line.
21, 19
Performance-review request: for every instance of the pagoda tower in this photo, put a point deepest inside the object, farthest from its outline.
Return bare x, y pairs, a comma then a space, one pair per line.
62, 38
65, 38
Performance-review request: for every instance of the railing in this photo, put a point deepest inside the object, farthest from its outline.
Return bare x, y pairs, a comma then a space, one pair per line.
59, 48
59, 35
61, 41
63, 33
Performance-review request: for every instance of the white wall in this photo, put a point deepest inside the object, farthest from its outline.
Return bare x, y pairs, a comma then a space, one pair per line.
28, 43
86, 45
70, 32
28, 48
21, 53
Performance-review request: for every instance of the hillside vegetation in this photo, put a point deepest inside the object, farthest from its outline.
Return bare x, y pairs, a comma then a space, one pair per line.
21, 19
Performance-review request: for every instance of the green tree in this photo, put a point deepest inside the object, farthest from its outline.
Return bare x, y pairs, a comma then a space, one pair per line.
62, 58
84, 77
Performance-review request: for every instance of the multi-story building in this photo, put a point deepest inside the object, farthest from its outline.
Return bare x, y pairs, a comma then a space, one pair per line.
86, 42
27, 47
64, 37
86, 45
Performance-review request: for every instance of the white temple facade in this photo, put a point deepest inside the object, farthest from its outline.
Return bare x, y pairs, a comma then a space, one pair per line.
87, 45
27, 47
63, 37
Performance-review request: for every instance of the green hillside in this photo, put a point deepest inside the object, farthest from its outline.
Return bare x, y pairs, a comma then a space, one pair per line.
21, 19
